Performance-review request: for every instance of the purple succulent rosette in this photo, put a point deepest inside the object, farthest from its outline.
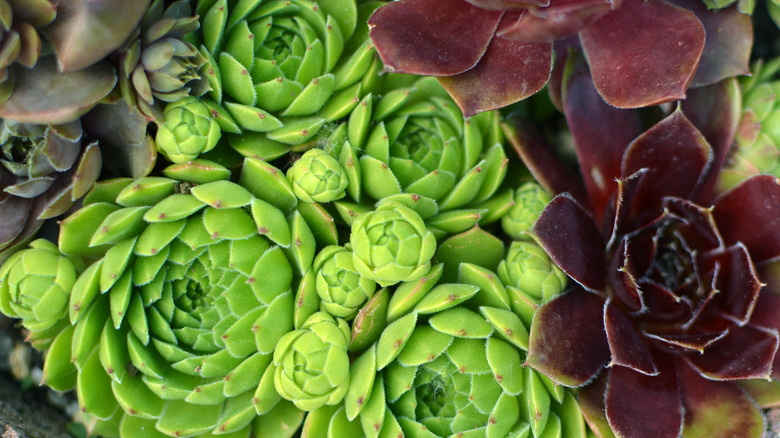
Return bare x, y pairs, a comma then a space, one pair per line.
641, 52
674, 314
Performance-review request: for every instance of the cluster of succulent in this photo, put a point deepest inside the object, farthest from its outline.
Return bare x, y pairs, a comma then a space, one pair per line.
254, 218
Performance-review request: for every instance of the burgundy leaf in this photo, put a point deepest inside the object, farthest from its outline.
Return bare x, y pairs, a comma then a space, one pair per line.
699, 228
507, 5
509, 71
565, 225
744, 353
750, 213
599, 150
432, 37
567, 341
643, 53
684, 342
591, 400
641, 406
561, 19
537, 154
14, 212
616, 214
626, 346
715, 111
663, 306
675, 154
622, 279
738, 282
767, 314
717, 409
728, 43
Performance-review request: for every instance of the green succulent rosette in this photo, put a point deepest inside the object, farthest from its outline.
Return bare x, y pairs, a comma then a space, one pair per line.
391, 244
757, 146
157, 65
530, 269
280, 70
312, 364
447, 361
188, 130
175, 323
530, 199
317, 177
35, 285
340, 287
411, 144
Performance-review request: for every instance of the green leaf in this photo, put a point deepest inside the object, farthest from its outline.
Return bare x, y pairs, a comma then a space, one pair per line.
222, 194
282, 421
408, 294
494, 169
505, 364
373, 414
157, 236
391, 102
112, 352
303, 246
197, 171
236, 81
271, 222
370, 321
266, 396
359, 119
537, 401
182, 418
119, 298
119, 225
469, 355
466, 189
461, 322
361, 382
268, 183
322, 224
94, 388
105, 191
445, 296
356, 67
503, 417
313, 97
393, 339
424, 345
455, 221
348, 160
247, 375
138, 400
341, 103
87, 332
136, 426
253, 119
307, 302
84, 291
275, 94
572, 422
228, 224
146, 192
77, 229
175, 207
378, 180
491, 291
508, 325
58, 370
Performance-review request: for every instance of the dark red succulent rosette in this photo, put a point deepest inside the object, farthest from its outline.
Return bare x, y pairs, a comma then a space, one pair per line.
491, 53
671, 311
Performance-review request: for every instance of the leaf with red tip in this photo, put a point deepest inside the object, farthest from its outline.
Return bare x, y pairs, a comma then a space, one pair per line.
45, 96
643, 53
737, 282
641, 406
715, 110
426, 37
507, 5
567, 341
599, 150
727, 46
509, 71
625, 343
559, 20
675, 154
86, 31
565, 225
744, 353
750, 213
717, 409
541, 160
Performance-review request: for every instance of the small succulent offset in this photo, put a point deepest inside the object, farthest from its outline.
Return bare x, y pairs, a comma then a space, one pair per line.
43, 170
157, 65
530, 200
317, 177
507, 55
673, 316
188, 130
341, 288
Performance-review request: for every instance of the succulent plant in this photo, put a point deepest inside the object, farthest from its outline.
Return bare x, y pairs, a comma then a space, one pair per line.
528, 268
35, 285
670, 286
757, 148
317, 177
19, 38
530, 200
157, 65
43, 170
342, 290
187, 131
391, 244
507, 54
279, 72
176, 321
312, 365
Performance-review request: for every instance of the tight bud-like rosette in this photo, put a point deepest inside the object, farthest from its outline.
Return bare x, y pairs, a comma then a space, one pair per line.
530, 200
412, 143
449, 363
341, 288
43, 170
35, 285
528, 268
312, 365
177, 320
188, 130
317, 177
279, 72
391, 244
